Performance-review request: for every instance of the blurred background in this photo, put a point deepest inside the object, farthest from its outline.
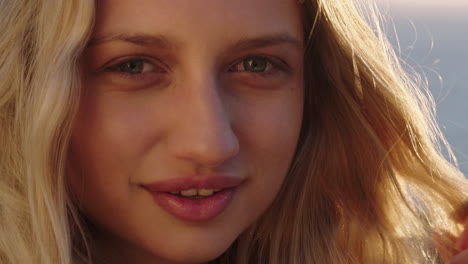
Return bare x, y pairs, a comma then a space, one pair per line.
433, 39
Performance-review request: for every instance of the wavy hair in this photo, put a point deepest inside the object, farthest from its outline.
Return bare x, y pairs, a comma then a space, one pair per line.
40, 44
368, 183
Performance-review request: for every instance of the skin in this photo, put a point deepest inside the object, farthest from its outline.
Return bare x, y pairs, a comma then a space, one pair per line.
194, 110
462, 246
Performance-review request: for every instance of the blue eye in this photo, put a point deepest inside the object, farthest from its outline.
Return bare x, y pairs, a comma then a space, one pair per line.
256, 64
133, 66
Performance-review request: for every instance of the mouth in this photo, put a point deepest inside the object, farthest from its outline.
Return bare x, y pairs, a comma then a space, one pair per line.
196, 194
194, 199
195, 205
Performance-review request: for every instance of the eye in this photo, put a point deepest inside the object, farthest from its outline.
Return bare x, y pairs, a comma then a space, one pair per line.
133, 66
135, 72
254, 64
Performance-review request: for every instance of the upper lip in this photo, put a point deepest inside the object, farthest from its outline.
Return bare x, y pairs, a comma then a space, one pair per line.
193, 182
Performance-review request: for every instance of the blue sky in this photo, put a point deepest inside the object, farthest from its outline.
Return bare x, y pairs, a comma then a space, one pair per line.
428, 2
433, 36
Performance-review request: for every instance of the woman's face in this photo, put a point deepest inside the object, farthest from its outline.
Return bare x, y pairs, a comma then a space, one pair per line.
189, 119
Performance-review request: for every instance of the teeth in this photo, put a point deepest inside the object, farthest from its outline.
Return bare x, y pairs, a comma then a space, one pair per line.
205, 192
195, 192
191, 192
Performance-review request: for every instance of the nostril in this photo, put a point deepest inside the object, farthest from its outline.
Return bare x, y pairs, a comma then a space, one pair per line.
205, 146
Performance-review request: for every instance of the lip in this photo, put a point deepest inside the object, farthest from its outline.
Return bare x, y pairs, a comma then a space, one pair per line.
194, 210
186, 183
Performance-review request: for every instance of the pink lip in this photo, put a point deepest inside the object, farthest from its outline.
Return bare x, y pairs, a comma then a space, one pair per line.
194, 210
198, 182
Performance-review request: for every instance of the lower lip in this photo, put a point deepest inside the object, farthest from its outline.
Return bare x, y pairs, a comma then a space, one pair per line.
194, 210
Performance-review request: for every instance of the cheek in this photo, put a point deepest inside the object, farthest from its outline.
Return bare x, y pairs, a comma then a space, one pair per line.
270, 132
108, 140
272, 126
112, 128
273, 137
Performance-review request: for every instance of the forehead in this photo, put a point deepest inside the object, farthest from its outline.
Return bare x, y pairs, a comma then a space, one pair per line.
222, 19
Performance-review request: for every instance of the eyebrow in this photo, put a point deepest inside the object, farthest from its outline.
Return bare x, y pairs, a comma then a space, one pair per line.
266, 41
163, 42
137, 39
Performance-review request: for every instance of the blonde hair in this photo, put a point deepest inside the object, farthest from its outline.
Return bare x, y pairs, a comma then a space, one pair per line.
39, 46
368, 183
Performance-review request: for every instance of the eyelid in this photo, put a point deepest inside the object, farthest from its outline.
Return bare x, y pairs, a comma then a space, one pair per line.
156, 76
113, 64
275, 62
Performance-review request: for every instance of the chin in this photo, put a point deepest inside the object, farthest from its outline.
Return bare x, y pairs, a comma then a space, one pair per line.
194, 255
188, 252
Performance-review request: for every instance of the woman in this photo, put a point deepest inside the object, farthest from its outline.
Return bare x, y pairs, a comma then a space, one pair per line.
264, 131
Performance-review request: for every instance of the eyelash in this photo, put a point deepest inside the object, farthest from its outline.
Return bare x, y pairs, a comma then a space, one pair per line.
115, 68
273, 65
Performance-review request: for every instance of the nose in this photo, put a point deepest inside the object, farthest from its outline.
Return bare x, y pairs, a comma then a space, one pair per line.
203, 132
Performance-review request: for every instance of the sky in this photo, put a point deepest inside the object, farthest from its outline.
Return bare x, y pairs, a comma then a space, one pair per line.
426, 3
433, 36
